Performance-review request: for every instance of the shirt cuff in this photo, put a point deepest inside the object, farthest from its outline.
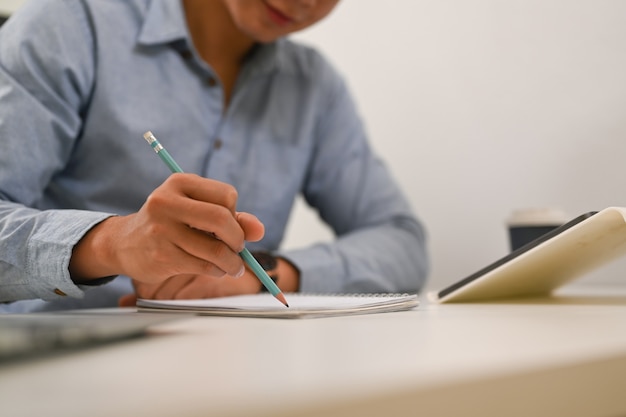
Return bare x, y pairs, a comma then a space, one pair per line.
50, 250
320, 268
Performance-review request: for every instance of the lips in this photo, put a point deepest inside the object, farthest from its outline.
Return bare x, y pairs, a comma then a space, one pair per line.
277, 16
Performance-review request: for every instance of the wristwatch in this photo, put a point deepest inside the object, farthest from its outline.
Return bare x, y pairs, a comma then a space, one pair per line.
269, 263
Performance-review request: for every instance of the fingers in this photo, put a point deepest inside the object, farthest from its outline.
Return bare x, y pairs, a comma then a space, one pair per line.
198, 286
187, 226
253, 229
180, 287
200, 203
152, 250
212, 256
168, 289
205, 189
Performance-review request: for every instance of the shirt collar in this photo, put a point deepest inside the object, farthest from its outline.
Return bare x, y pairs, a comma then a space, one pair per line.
266, 58
164, 22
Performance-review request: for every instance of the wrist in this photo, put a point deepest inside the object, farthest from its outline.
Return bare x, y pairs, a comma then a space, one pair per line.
280, 270
269, 263
90, 260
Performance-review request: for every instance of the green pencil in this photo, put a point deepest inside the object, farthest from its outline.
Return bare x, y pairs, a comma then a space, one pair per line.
245, 254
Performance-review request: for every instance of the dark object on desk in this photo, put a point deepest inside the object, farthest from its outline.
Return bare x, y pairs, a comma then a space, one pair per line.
547, 263
528, 224
522, 235
38, 334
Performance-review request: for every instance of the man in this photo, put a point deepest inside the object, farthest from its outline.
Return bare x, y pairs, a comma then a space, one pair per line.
254, 119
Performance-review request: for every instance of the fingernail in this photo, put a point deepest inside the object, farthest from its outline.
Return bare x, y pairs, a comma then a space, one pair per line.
241, 272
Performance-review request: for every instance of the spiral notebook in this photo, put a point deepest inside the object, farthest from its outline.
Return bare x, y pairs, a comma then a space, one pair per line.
300, 305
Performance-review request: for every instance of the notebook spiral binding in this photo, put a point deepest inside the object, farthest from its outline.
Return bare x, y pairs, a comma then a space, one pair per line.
355, 294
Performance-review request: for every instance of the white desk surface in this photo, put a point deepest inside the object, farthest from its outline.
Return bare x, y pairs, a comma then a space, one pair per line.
565, 357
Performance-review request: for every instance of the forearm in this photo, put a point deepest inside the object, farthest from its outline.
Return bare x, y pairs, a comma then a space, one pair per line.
390, 257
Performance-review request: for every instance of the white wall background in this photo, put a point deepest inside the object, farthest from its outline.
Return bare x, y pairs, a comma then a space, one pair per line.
484, 106
481, 107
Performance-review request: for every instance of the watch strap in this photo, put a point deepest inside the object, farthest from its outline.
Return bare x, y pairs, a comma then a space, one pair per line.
269, 263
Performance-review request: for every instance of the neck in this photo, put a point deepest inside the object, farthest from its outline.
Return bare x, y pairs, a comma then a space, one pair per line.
213, 31
217, 39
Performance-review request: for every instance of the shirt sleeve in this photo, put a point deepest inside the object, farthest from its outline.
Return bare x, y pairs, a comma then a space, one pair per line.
380, 244
45, 80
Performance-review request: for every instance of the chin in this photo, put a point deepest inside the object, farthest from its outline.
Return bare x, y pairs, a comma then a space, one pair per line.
264, 32
265, 37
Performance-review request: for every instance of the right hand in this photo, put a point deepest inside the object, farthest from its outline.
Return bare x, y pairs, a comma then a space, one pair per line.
188, 225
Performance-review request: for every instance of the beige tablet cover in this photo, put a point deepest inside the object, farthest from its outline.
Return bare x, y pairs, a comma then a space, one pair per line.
579, 249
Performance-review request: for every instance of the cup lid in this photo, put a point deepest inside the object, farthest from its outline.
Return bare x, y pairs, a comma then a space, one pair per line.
537, 216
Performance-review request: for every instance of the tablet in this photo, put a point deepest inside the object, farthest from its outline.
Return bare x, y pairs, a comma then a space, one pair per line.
548, 262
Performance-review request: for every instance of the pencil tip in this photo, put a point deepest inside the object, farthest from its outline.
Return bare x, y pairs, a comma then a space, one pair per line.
281, 298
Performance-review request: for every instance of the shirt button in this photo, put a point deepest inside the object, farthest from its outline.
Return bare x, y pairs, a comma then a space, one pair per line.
186, 54
217, 144
59, 292
211, 82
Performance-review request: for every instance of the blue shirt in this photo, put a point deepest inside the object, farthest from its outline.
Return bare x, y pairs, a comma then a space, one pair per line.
82, 80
